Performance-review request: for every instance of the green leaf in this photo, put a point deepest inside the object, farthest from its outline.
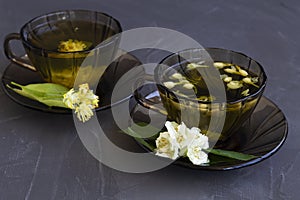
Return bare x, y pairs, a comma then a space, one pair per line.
50, 94
138, 128
231, 154
137, 136
146, 144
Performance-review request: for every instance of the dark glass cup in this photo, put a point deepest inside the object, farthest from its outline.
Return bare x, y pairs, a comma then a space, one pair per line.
218, 119
42, 35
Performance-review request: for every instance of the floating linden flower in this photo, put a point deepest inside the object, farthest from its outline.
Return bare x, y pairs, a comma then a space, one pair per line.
169, 84
71, 46
234, 85
71, 98
84, 112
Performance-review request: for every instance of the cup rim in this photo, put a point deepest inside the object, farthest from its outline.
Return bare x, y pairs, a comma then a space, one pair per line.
260, 90
66, 11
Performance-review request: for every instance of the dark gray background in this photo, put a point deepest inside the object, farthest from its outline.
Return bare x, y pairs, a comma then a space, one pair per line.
41, 157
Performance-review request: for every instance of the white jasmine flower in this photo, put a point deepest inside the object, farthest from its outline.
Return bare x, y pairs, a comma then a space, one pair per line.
172, 128
196, 155
200, 139
195, 149
182, 141
82, 101
181, 135
167, 146
185, 136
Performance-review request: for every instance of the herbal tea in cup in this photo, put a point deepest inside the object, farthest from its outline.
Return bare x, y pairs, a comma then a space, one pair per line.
57, 43
185, 95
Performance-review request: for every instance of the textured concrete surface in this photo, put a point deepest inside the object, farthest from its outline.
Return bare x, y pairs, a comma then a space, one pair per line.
41, 156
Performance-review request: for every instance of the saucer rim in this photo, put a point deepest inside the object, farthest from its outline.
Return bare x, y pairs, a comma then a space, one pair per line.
44, 108
240, 164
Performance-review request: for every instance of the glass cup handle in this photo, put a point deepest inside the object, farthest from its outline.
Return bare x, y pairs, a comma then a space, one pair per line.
148, 97
13, 57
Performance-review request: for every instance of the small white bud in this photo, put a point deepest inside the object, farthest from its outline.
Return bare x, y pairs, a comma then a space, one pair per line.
177, 76
194, 66
169, 84
231, 71
243, 72
219, 65
247, 80
234, 85
227, 79
188, 86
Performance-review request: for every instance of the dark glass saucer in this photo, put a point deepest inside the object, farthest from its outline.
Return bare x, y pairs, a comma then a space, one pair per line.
23, 76
262, 135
